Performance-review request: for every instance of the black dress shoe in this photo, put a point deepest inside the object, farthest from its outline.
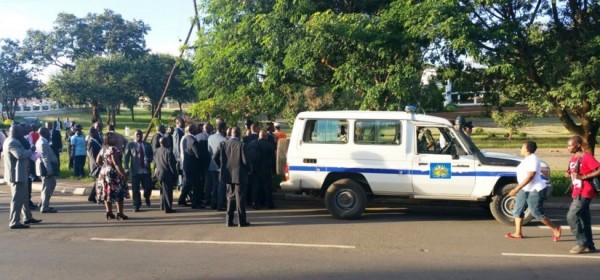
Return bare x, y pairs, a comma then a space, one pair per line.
19, 226
49, 210
231, 225
199, 207
136, 209
244, 224
148, 202
170, 211
32, 221
183, 204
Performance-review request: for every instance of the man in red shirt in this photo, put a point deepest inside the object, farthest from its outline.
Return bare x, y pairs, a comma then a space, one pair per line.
582, 167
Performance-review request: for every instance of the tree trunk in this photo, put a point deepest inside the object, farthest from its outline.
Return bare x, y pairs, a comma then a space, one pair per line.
114, 115
132, 114
119, 109
160, 113
180, 108
589, 138
95, 115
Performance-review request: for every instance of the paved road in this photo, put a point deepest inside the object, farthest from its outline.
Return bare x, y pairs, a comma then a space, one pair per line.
298, 240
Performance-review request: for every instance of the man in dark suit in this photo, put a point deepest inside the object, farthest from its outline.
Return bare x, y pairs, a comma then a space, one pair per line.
231, 159
138, 156
166, 173
190, 165
55, 141
16, 173
160, 133
263, 169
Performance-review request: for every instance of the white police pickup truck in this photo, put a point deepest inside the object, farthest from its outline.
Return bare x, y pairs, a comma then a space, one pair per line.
350, 156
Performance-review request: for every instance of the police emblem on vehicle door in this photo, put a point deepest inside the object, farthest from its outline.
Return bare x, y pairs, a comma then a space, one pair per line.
440, 171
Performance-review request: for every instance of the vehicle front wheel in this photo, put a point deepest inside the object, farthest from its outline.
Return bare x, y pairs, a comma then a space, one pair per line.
502, 206
345, 199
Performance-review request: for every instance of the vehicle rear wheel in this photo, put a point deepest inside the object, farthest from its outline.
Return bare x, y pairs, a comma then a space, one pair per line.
345, 199
502, 206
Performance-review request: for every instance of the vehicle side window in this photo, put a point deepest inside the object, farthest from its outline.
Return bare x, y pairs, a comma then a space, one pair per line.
434, 140
326, 131
376, 132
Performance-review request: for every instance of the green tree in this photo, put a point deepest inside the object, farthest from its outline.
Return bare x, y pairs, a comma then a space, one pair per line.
513, 121
74, 38
545, 53
258, 57
98, 81
16, 79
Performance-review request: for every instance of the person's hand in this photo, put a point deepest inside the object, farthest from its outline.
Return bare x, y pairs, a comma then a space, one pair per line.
513, 192
33, 148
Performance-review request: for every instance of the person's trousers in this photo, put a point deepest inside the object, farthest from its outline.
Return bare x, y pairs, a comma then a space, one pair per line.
190, 181
236, 202
79, 162
166, 197
261, 191
219, 190
19, 203
198, 192
48, 186
580, 221
145, 182
208, 186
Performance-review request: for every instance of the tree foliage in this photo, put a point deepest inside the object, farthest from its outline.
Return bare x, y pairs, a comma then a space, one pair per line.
265, 57
542, 52
513, 121
98, 81
17, 81
74, 38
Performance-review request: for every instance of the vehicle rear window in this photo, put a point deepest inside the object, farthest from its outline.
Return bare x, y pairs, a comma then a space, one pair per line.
377, 132
326, 131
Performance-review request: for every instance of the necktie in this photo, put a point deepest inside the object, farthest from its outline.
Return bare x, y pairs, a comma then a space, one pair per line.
142, 156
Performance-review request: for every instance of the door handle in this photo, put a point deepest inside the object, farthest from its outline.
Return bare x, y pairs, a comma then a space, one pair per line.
422, 163
461, 165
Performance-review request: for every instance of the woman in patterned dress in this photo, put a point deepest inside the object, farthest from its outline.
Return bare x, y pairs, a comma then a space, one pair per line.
111, 185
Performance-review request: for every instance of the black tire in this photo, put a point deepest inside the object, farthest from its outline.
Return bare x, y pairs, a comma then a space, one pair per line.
502, 206
346, 199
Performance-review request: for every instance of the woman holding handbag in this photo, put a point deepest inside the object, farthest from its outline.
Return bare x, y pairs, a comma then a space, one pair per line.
112, 180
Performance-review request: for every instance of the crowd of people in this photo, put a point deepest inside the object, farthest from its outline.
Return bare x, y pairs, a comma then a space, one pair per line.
225, 169
214, 167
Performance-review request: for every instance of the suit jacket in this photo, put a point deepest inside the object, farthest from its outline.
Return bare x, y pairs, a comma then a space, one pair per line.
250, 138
164, 163
156, 141
266, 158
16, 161
132, 157
56, 140
177, 136
47, 163
121, 142
231, 158
190, 155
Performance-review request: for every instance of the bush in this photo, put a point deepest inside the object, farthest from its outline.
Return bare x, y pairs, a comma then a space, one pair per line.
560, 183
506, 135
491, 135
451, 107
479, 130
523, 135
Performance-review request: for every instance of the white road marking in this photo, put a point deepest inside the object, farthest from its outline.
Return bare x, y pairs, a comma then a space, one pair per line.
224, 243
551, 256
567, 227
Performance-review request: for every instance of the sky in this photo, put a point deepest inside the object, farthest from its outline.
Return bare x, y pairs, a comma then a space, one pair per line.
169, 20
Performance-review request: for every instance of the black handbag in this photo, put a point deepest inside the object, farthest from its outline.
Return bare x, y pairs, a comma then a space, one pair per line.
96, 171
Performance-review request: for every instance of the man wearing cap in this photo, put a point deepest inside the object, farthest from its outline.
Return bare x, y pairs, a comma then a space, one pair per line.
468, 128
16, 173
